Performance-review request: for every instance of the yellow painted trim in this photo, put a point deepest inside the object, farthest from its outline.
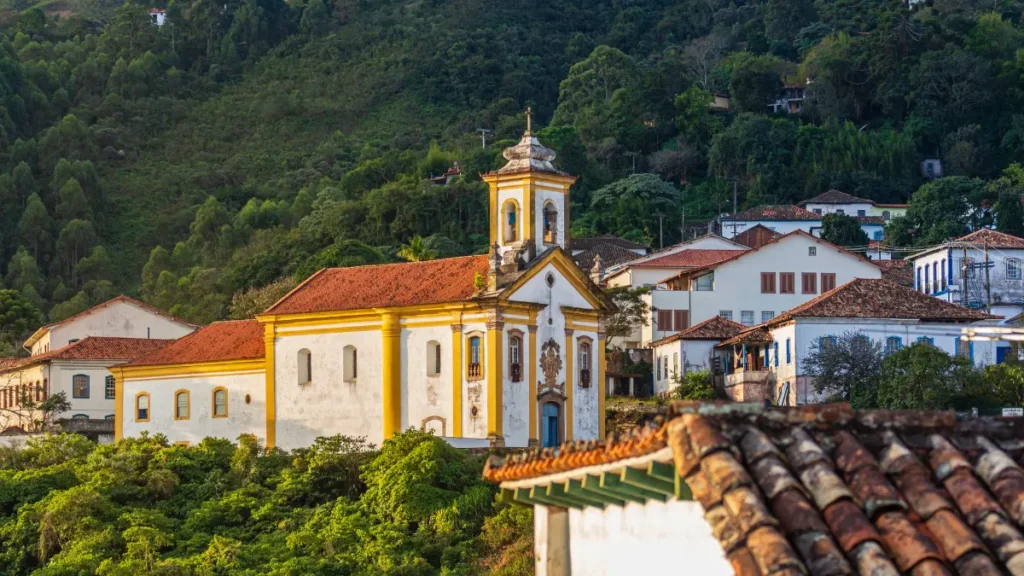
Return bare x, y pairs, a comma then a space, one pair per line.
560, 261
570, 385
524, 175
602, 385
118, 403
495, 381
582, 327
338, 330
457, 367
492, 207
532, 386
213, 402
188, 404
501, 220
579, 315
315, 318
149, 406
138, 372
184, 376
182, 443
391, 371
270, 389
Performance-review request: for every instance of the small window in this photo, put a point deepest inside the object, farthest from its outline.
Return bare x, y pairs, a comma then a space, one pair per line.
142, 407
80, 386
817, 210
109, 390
892, 344
220, 403
181, 405
840, 211
657, 363
515, 362
827, 342
767, 315
351, 360
108, 417
886, 215
767, 282
1013, 269
925, 341
813, 250
747, 317
878, 235
789, 357
305, 366
705, 283
675, 363
80, 417
433, 358
861, 213
585, 365
727, 314
474, 367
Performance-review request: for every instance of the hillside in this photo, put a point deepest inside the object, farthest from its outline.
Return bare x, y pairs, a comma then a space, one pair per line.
208, 164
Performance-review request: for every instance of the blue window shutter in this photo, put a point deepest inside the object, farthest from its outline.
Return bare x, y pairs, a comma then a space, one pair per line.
776, 354
956, 346
899, 342
789, 358
971, 345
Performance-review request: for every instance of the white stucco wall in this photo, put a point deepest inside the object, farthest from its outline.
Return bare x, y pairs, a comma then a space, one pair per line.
1006, 292
851, 209
425, 396
120, 319
97, 406
11, 380
329, 405
242, 418
730, 228
645, 539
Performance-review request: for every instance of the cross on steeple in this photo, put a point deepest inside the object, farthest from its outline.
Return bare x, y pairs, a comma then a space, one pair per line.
529, 117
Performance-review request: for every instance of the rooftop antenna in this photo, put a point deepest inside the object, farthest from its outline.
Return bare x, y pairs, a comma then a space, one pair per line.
483, 136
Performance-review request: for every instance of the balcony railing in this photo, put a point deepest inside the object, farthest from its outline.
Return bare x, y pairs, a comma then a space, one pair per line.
475, 371
584, 378
516, 372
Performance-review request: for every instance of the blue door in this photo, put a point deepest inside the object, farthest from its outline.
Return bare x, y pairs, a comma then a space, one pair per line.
550, 424
1001, 354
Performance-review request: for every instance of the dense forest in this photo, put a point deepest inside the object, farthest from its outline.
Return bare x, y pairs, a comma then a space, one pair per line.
208, 164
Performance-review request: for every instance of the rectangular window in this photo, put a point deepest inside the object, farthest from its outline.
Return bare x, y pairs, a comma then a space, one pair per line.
817, 210
789, 358
767, 315
747, 317
675, 363
1012, 269
657, 362
861, 213
80, 386
727, 314
705, 283
892, 345
664, 321
680, 318
108, 388
775, 351
840, 211
828, 281
809, 283
812, 251
767, 282
787, 283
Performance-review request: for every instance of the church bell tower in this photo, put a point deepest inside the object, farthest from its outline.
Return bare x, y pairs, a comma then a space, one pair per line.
529, 201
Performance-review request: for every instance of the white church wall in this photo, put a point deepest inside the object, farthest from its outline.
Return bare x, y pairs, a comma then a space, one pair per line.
243, 417
585, 416
424, 395
644, 538
474, 392
328, 404
516, 403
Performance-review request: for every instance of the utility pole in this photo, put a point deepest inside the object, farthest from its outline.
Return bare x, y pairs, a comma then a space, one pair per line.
735, 195
483, 136
988, 286
682, 231
661, 231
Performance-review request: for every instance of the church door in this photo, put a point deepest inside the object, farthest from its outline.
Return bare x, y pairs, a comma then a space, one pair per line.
550, 424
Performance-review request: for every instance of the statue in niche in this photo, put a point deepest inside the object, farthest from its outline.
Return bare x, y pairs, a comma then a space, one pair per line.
550, 365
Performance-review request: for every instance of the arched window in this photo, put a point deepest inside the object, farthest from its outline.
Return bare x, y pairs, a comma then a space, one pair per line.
1013, 269
181, 405
350, 358
550, 223
886, 215
515, 356
108, 417
80, 386
892, 344
142, 407
305, 364
584, 364
220, 402
510, 221
433, 358
80, 417
109, 389
551, 426
475, 367
926, 340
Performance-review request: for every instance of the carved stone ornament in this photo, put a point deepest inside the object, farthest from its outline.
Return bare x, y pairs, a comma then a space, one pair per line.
551, 365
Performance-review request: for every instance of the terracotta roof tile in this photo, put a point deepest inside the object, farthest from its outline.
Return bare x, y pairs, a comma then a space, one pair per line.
604, 239
220, 341
993, 239
95, 348
716, 328
898, 271
826, 490
610, 254
836, 197
756, 236
778, 212
386, 285
695, 258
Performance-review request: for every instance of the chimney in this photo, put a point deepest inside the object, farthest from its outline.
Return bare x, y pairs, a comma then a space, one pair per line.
597, 272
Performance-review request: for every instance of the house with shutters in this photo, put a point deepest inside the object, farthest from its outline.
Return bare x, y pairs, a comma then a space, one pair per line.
968, 270
785, 219
764, 362
691, 350
745, 489
752, 286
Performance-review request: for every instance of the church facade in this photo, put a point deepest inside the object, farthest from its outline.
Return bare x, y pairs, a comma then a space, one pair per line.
503, 349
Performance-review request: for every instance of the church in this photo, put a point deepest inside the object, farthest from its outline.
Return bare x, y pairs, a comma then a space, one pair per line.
501, 349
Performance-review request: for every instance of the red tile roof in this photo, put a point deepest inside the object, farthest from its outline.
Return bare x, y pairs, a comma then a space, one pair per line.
899, 271
7, 362
220, 341
689, 259
756, 236
716, 328
823, 489
116, 299
611, 255
93, 348
993, 239
386, 285
779, 212
836, 197
879, 298
588, 243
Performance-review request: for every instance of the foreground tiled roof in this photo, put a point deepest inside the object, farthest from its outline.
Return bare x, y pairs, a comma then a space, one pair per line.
756, 236
611, 255
993, 239
715, 328
93, 348
879, 298
756, 335
386, 285
588, 243
779, 212
836, 197
898, 271
826, 490
220, 341
689, 259
8, 362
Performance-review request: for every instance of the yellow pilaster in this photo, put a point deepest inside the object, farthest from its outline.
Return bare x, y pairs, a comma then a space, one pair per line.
570, 384
495, 217
528, 203
391, 330
457, 365
269, 332
495, 379
118, 403
602, 384
532, 381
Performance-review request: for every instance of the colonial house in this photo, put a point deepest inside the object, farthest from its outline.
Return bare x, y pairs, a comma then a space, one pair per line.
785, 219
754, 285
504, 349
80, 370
745, 489
601, 254
765, 362
835, 201
791, 99
966, 270
755, 236
691, 350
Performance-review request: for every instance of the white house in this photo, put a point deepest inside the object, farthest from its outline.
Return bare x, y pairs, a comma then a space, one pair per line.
722, 489
691, 350
940, 271
766, 360
835, 201
606, 252
785, 219
157, 16
504, 349
755, 285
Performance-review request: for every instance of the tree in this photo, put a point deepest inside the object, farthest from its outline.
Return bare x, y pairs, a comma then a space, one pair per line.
1006, 383
586, 96
34, 228
939, 211
416, 251
253, 301
842, 230
923, 377
315, 18
702, 56
694, 385
72, 203
630, 207
631, 311
756, 81
18, 317
846, 369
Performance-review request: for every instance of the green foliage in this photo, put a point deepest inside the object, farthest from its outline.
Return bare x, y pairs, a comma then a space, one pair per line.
842, 230
694, 385
18, 318
923, 377
846, 370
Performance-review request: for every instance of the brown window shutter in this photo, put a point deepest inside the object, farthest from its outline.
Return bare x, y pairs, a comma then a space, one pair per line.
809, 281
787, 281
664, 320
679, 320
828, 282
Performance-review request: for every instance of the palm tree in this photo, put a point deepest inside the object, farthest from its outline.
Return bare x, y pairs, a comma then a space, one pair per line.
416, 250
